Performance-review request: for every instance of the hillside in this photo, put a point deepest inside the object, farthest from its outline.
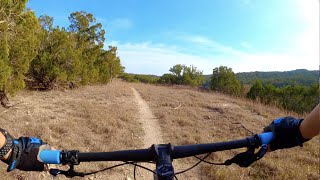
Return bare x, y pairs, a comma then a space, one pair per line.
279, 79
104, 118
299, 77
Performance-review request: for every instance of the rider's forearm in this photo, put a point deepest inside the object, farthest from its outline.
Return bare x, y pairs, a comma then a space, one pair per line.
310, 126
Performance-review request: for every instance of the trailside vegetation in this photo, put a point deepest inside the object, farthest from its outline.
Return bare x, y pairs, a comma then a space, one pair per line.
183, 75
149, 79
74, 55
297, 98
43, 56
224, 80
179, 75
300, 99
19, 30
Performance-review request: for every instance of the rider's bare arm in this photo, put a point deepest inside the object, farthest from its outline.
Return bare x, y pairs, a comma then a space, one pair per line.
310, 126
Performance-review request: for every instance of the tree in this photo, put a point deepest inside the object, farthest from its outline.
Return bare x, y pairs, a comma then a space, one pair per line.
224, 80
75, 55
19, 41
89, 41
109, 65
51, 55
269, 94
167, 79
191, 76
296, 98
181, 74
57, 60
114, 62
256, 91
177, 71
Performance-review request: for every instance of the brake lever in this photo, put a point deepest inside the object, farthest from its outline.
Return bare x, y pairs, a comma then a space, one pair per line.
70, 173
245, 159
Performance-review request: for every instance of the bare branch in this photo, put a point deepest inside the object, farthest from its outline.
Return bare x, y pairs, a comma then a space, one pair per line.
178, 105
240, 124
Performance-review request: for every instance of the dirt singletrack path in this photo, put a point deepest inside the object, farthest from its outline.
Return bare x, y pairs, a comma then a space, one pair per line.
152, 131
149, 122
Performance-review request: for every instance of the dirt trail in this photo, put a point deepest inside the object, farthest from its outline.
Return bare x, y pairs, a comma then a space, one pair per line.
153, 135
151, 128
149, 122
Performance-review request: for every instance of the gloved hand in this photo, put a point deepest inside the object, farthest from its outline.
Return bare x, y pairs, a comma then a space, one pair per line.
24, 155
286, 133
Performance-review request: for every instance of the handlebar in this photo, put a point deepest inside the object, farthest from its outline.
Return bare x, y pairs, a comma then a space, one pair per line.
266, 138
150, 154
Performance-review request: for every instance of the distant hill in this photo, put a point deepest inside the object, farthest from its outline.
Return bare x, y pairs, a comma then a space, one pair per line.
151, 75
299, 77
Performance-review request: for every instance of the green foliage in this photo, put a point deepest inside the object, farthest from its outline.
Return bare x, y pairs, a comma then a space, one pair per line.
296, 98
181, 74
49, 55
224, 80
18, 43
177, 71
129, 77
256, 90
150, 79
191, 76
167, 79
75, 55
57, 59
301, 77
109, 65
89, 37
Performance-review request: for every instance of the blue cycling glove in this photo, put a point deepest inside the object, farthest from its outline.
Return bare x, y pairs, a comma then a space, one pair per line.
24, 155
286, 133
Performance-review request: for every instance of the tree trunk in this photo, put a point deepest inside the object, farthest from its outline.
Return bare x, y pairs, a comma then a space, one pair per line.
4, 100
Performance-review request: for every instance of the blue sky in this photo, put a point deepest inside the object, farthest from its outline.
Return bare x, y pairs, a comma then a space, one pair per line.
246, 35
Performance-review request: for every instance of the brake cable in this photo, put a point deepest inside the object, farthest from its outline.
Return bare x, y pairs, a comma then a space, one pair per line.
118, 165
212, 163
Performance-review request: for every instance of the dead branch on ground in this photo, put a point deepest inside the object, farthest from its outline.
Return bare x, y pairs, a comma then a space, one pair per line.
180, 104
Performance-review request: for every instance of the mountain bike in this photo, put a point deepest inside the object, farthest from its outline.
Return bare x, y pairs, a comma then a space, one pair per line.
160, 154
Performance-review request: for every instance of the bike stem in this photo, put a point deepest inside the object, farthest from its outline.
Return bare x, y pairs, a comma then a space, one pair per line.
164, 168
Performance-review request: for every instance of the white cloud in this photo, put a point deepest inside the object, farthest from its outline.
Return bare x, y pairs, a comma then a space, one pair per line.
149, 58
120, 23
211, 45
246, 45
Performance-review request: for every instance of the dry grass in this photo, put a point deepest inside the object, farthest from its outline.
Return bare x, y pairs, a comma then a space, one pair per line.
209, 117
104, 118
95, 118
